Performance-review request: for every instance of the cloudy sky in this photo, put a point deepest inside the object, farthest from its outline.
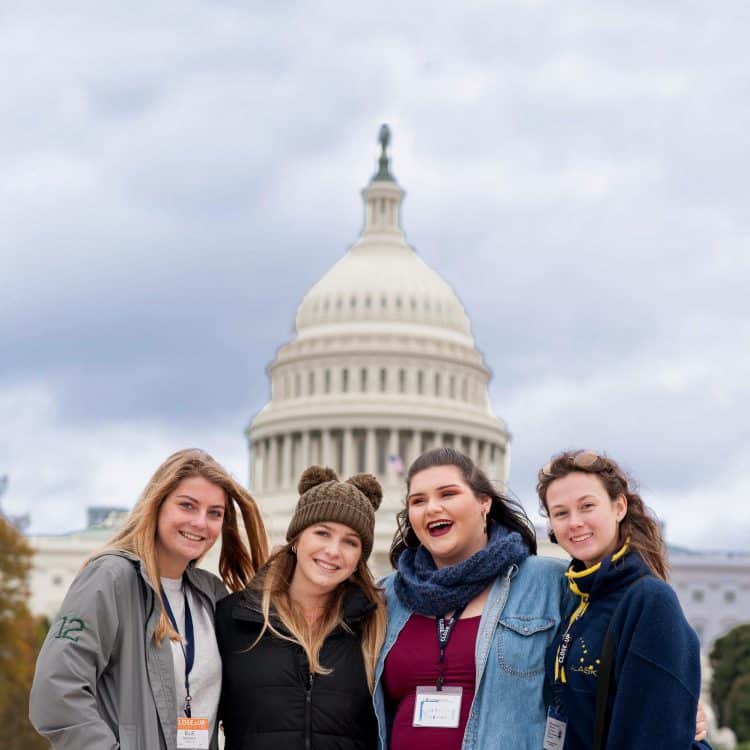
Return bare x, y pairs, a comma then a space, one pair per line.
176, 175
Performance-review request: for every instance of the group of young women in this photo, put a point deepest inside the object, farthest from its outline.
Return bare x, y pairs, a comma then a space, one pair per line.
474, 642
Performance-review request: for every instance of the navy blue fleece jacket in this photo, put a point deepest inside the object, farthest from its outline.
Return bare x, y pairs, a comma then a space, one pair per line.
656, 665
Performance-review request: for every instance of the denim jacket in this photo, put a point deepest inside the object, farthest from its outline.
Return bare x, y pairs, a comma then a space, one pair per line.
519, 621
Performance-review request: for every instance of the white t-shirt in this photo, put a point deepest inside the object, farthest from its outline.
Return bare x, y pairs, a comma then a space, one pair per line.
205, 676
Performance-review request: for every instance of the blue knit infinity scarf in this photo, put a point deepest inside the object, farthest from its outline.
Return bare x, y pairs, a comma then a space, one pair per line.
423, 588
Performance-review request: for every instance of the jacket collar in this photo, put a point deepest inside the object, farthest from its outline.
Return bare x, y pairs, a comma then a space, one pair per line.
248, 606
613, 572
199, 582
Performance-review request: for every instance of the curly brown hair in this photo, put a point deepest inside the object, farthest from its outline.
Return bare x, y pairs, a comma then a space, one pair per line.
639, 523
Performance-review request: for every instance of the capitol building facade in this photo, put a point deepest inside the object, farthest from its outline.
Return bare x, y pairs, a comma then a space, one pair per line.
382, 366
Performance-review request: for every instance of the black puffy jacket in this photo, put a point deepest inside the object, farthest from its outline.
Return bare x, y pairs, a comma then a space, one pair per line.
269, 699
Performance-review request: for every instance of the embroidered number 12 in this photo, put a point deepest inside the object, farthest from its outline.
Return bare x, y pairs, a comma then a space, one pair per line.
69, 626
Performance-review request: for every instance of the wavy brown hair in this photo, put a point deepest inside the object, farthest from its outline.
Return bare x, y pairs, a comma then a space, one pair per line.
238, 561
273, 584
639, 523
503, 510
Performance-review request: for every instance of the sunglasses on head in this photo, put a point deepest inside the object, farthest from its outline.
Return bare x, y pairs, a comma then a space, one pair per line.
584, 459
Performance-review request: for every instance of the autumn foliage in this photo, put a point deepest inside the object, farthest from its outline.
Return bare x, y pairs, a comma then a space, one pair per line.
21, 636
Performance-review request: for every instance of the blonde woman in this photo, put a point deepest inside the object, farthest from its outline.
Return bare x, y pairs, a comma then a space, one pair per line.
299, 646
131, 661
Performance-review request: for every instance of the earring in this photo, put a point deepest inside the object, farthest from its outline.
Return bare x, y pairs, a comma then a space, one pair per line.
294, 549
484, 518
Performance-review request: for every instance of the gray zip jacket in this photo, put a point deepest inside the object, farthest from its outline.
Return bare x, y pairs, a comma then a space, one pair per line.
101, 682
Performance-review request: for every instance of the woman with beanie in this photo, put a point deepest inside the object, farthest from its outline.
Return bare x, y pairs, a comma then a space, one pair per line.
471, 612
299, 645
132, 661
627, 640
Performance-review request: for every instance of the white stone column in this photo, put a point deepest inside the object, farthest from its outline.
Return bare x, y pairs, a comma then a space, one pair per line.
258, 469
326, 447
390, 471
371, 455
305, 450
482, 455
273, 463
254, 465
414, 449
286, 460
472, 449
347, 450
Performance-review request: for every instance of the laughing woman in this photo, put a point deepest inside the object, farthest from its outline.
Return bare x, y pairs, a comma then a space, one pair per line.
471, 612
628, 623
299, 645
132, 662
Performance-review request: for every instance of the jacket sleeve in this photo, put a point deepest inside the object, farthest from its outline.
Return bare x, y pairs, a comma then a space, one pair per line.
657, 674
79, 645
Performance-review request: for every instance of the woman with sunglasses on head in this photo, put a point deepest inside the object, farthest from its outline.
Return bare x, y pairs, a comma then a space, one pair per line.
625, 669
299, 645
471, 612
132, 661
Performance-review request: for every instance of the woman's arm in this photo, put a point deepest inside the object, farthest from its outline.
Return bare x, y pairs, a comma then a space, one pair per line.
63, 706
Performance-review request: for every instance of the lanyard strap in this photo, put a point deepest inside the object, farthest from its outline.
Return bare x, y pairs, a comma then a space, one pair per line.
444, 632
187, 644
567, 638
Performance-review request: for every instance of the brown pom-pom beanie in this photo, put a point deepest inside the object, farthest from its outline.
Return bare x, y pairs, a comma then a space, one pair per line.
324, 498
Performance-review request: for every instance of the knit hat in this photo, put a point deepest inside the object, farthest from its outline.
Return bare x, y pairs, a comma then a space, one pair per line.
324, 498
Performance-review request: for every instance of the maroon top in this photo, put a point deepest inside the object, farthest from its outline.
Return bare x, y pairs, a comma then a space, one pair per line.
412, 662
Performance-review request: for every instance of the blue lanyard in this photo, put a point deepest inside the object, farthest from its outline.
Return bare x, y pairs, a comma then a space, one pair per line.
187, 644
444, 631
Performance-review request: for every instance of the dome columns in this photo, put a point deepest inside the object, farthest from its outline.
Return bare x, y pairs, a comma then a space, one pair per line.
382, 208
387, 452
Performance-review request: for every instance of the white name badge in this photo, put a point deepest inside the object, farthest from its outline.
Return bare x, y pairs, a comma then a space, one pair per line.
554, 733
437, 708
192, 733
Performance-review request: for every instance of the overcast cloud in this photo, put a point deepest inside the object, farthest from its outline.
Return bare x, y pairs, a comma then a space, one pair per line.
176, 176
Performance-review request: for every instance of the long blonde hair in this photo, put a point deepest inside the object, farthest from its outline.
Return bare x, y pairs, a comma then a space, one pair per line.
273, 585
238, 562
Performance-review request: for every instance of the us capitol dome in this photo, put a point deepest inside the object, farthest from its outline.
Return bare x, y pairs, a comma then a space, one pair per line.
382, 366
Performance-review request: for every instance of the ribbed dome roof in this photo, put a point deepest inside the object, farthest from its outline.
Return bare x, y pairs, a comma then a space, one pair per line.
381, 278
382, 282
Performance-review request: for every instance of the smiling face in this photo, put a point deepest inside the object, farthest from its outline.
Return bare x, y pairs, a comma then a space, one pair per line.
446, 515
327, 554
190, 520
584, 518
